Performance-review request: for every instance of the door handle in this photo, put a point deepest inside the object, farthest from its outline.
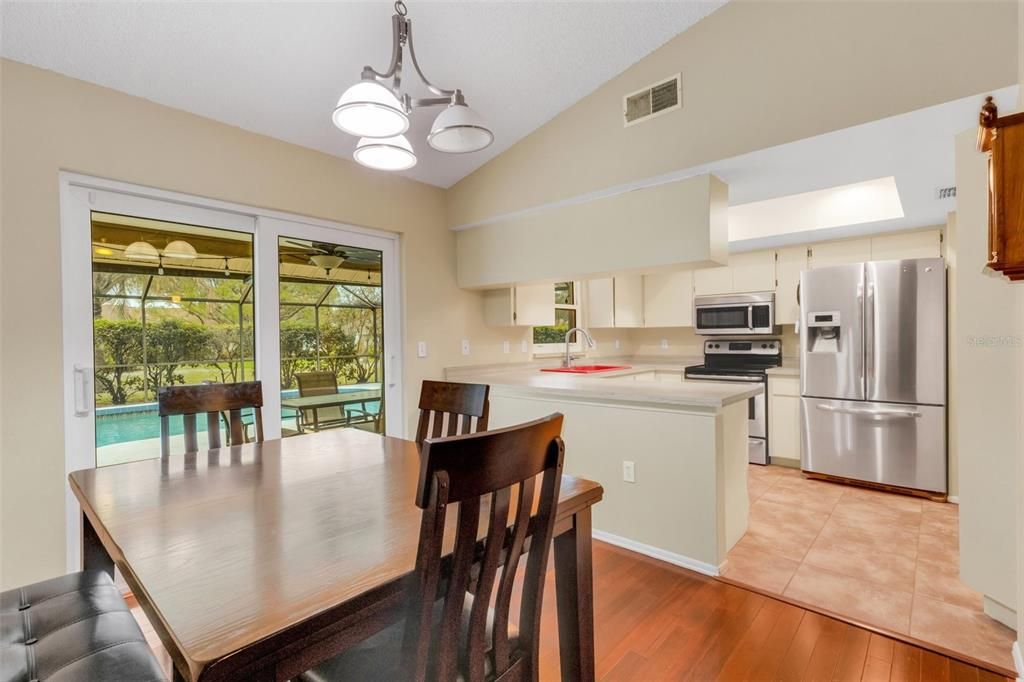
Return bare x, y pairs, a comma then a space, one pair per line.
750, 317
870, 413
81, 390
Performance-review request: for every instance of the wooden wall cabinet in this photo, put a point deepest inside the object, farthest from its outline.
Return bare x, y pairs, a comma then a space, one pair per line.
1003, 139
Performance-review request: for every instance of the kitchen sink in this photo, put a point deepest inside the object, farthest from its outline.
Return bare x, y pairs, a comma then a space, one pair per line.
585, 369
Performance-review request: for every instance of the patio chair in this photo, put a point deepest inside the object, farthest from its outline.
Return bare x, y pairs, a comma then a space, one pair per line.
332, 416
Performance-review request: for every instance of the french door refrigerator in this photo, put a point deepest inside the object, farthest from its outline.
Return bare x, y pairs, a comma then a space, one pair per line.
873, 372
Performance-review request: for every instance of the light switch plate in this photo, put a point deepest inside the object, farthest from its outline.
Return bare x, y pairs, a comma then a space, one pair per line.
506, 347
629, 472
421, 349
465, 346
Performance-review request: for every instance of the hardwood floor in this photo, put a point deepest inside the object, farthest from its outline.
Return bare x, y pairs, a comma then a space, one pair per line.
655, 621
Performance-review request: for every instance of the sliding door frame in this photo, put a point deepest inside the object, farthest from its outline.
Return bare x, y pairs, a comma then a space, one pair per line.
80, 195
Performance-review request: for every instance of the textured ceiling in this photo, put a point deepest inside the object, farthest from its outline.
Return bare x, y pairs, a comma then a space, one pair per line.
279, 68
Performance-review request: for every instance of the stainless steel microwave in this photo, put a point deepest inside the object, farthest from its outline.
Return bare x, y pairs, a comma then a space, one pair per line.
734, 314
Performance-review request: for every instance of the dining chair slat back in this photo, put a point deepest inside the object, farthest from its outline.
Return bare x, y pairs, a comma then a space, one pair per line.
213, 400
449, 629
483, 471
448, 409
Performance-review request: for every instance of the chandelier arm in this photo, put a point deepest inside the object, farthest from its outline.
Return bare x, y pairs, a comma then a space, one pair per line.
439, 91
398, 29
428, 101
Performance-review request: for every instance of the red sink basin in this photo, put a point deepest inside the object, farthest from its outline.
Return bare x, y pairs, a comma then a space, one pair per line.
585, 369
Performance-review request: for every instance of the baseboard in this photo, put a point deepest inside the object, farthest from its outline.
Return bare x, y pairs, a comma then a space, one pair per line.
657, 553
785, 462
1018, 661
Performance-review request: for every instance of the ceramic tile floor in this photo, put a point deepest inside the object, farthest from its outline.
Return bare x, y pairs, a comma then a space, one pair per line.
883, 559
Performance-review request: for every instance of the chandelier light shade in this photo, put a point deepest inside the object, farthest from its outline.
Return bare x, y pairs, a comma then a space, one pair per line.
387, 154
376, 110
180, 249
368, 109
141, 250
459, 130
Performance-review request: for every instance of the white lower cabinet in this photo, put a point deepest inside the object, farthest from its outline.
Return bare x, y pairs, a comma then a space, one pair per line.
668, 299
784, 417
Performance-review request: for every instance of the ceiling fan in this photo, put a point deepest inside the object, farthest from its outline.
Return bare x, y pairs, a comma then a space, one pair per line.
331, 256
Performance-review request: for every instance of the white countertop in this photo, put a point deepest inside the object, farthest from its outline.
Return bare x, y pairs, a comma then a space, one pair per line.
790, 368
618, 386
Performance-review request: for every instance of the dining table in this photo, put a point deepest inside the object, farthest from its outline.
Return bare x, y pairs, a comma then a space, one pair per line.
258, 561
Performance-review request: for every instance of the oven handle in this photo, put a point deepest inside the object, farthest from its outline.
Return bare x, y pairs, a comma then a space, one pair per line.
870, 413
722, 377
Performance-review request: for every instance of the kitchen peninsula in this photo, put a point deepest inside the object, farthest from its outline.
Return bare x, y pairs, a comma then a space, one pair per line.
683, 443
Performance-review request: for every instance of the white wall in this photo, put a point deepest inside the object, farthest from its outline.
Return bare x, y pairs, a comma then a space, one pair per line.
985, 400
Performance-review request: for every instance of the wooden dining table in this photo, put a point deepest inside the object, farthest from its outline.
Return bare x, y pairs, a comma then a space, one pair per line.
258, 561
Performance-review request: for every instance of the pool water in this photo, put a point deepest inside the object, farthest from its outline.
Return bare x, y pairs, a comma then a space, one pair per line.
143, 424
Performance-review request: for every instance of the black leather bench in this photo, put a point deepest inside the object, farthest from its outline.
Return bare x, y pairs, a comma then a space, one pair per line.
72, 628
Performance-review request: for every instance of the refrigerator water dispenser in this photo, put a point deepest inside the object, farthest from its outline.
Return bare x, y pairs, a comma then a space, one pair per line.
823, 332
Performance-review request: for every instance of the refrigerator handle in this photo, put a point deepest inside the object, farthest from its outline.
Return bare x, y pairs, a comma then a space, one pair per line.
860, 312
869, 338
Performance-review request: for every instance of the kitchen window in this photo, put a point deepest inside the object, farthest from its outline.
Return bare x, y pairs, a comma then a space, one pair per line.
551, 339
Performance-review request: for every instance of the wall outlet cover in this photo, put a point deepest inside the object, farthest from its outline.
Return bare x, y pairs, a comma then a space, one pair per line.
421, 349
506, 347
465, 346
618, 344
524, 346
664, 344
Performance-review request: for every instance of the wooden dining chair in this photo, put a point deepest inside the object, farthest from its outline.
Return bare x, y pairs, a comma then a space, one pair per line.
449, 633
213, 400
443, 404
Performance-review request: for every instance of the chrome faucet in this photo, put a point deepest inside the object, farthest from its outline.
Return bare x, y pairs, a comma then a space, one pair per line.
567, 362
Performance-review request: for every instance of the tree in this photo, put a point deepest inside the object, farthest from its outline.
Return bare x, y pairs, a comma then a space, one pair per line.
171, 344
118, 353
298, 350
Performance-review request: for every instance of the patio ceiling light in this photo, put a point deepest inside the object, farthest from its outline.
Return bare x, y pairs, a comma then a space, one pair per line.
180, 248
141, 251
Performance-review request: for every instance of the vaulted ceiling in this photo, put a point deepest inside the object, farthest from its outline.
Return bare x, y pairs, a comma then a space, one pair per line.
278, 68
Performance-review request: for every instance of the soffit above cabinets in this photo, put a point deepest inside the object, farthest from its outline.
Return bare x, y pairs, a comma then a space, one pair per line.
676, 224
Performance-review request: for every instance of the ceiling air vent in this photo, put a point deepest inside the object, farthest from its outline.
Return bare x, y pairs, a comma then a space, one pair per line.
652, 101
945, 193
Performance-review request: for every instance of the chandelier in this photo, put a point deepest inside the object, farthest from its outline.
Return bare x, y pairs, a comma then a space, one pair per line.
377, 111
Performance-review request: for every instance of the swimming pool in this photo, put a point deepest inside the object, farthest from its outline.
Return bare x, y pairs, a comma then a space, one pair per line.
127, 423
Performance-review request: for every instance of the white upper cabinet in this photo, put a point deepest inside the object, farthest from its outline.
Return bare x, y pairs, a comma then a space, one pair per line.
745, 273
629, 301
600, 302
791, 261
901, 245
717, 280
753, 271
827, 254
531, 305
668, 299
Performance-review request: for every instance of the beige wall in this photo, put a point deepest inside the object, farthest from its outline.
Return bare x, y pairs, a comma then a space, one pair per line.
985, 403
755, 74
50, 123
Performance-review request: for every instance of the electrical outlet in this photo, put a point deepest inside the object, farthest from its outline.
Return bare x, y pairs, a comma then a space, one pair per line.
506, 347
421, 349
524, 347
629, 472
664, 344
618, 344
465, 346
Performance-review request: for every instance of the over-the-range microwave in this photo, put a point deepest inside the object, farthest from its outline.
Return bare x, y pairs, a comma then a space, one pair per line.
735, 314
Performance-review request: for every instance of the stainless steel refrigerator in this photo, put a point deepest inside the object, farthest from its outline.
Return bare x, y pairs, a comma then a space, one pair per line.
873, 372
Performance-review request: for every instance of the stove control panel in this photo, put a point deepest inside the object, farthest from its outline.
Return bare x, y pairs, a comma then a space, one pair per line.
745, 347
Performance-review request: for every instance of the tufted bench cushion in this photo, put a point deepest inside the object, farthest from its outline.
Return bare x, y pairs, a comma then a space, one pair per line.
75, 627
